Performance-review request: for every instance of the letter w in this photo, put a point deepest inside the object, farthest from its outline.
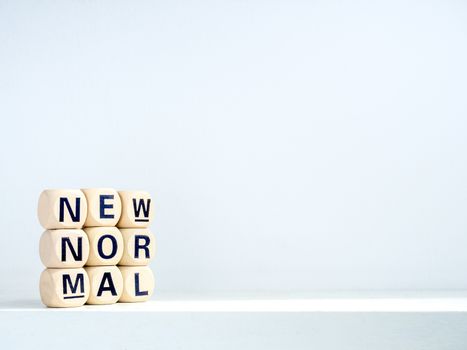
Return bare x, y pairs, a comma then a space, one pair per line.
143, 206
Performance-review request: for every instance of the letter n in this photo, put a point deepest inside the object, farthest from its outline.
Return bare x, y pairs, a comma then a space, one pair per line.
75, 217
77, 255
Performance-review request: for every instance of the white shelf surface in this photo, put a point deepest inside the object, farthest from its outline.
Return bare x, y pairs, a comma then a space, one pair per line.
322, 302
416, 320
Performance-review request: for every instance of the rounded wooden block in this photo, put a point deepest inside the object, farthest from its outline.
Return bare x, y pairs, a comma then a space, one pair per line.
105, 246
64, 287
138, 283
64, 248
104, 207
106, 284
62, 209
139, 246
137, 209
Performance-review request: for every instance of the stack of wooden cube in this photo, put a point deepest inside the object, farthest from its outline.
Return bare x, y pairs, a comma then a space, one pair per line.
96, 247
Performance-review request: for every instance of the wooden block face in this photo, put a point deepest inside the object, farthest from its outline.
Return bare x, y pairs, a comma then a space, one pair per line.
137, 209
105, 246
138, 283
139, 246
65, 248
104, 207
106, 284
64, 287
62, 209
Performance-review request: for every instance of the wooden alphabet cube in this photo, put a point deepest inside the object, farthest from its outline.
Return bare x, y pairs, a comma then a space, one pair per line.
138, 283
104, 207
139, 246
106, 284
62, 209
137, 209
64, 248
105, 246
64, 287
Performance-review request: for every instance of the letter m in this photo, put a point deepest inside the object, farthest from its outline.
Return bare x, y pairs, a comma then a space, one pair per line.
79, 281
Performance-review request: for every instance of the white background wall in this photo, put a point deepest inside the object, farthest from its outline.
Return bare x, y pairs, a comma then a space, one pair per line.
288, 145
